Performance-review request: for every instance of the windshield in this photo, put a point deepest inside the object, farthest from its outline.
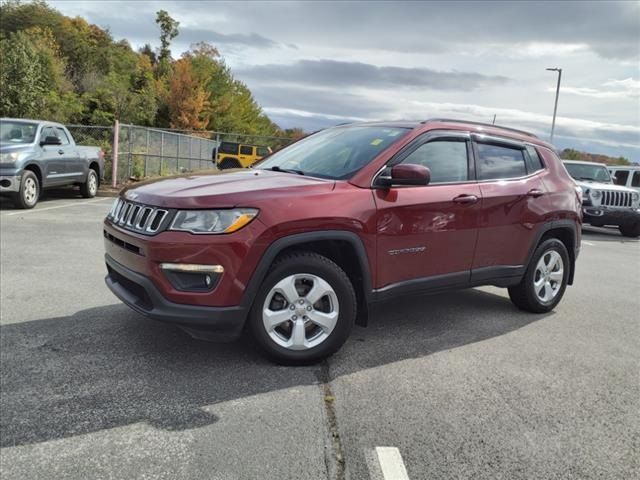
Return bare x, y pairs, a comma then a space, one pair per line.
595, 173
335, 153
17, 132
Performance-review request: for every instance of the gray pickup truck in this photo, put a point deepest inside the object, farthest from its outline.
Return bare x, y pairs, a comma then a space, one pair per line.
36, 154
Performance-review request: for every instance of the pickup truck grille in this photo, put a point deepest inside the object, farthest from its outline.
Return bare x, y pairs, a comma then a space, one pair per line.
137, 217
612, 198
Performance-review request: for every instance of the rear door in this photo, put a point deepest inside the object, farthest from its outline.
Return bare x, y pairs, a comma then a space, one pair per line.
247, 155
74, 163
427, 234
514, 205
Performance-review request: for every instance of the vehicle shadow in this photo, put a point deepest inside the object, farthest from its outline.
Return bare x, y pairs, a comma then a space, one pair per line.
6, 203
107, 367
604, 234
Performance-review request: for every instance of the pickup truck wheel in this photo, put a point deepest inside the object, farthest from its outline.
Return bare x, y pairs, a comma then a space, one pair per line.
89, 189
545, 280
305, 309
29, 192
631, 230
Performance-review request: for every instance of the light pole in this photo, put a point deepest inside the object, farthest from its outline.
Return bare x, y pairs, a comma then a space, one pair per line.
555, 107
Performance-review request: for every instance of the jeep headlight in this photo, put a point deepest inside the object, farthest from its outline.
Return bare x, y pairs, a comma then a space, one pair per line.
635, 198
595, 196
12, 157
213, 221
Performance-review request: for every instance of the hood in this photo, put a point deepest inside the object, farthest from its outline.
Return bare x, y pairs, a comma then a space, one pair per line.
226, 189
12, 147
586, 184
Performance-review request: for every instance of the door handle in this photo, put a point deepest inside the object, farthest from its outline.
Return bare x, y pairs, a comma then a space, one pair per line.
535, 193
60, 152
465, 199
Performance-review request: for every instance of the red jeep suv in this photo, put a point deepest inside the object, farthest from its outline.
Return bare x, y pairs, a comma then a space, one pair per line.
298, 248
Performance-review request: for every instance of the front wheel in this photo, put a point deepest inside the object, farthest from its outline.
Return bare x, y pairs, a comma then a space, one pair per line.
631, 230
29, 192
545, 280
305, 309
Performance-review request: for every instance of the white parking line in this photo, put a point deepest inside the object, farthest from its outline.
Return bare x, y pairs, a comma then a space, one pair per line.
588, 243
391, 463
72, 204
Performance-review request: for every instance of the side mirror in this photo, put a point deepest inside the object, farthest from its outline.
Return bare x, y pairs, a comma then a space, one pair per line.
405, 175
51, 140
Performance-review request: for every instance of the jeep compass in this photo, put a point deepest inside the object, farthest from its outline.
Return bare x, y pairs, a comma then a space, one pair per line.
298, 248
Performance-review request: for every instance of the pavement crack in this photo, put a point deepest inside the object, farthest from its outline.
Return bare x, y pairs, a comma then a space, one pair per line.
335, 458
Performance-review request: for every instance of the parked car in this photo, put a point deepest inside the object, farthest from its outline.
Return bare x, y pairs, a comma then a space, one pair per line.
237, 155
626, 176
298, 248
605, 203
36, 154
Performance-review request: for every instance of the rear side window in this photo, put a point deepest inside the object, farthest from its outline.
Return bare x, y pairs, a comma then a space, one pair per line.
62, 136
263, 151
496, 162
533, 161
446, 159
635, 180
246, 150
621, 177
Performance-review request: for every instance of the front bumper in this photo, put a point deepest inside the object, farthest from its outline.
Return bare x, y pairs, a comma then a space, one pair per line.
139, 293
10, 183
609, 215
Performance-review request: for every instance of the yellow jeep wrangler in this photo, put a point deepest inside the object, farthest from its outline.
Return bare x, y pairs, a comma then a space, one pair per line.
237, 155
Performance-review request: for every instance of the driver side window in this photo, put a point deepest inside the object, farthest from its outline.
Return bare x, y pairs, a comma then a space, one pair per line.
447, 160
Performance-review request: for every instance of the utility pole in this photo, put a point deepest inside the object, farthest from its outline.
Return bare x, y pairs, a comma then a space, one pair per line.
555, 107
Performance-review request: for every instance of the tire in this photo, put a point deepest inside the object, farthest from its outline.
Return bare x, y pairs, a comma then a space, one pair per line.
527, 295
29, 192
631, 230
294, 337
228, 163
89, 189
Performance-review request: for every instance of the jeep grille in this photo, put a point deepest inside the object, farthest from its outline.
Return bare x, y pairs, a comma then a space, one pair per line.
137, 217
612, 198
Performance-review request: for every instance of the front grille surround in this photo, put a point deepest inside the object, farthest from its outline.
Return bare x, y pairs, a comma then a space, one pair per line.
139, 218
615, 198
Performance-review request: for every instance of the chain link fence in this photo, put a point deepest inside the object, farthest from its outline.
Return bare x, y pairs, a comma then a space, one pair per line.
147, 152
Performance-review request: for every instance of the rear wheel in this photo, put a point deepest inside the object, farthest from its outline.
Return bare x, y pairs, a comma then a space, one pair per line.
304, 310
545, 280
228, 163
89, 189
29, 192
630, 229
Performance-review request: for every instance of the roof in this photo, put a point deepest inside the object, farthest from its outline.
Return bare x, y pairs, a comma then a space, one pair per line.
583, 162
29, 120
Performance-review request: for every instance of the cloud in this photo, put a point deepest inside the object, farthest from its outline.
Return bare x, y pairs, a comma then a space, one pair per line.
333, 73
254, 40
627, 88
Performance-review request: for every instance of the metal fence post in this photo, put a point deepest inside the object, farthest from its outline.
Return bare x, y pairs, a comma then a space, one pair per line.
177, 154
161, 151
130, 166
215, 157
146, 154
114, 154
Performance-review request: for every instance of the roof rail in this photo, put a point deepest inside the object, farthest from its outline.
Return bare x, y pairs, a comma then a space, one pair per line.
470, 122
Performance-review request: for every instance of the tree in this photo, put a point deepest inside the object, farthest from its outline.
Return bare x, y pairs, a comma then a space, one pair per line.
187, 101
168, 31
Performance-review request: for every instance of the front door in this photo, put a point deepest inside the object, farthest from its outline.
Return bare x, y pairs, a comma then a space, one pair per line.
427, 234
53, 159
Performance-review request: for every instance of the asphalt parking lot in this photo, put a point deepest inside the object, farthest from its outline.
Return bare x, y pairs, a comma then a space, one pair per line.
463, 385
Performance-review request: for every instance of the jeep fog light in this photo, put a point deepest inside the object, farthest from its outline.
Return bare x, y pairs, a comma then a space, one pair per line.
188, 277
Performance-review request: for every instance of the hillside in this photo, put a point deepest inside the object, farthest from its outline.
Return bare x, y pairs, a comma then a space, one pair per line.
68, 70
571, 154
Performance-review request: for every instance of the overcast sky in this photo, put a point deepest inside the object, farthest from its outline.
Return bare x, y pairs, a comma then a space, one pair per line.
314, 64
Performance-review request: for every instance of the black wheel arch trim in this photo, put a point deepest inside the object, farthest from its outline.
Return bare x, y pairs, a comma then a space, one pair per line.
555, 225
279, 245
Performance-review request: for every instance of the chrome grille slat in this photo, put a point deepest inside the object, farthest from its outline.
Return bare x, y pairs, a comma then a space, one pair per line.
138, 217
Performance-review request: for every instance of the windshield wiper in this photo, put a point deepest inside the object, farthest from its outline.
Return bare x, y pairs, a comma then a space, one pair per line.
587, 178
286, 170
